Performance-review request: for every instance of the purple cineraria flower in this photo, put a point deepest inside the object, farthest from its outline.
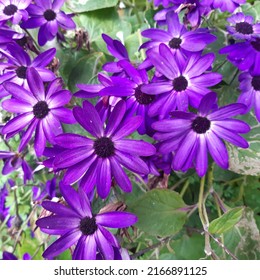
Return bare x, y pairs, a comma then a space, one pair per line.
180, 40
46, 14
185, 83
11, 257
190, 136
243, 27
250, 91
224, 5
245, 55
14, 10
14, 70
39, 110
164, 3
78, 225
3, 209
96, 161
118, 50
13, 161
47, 191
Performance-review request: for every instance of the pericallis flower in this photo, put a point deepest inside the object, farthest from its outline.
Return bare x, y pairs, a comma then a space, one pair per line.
14, 70
96, 161
11, 257
180, 40
164, 3
40, 110
244, 55
78, 225
243, 27
186, 81
47, 15
190, 136
224, 5
13, 161
14, 10
250, 91
44, 191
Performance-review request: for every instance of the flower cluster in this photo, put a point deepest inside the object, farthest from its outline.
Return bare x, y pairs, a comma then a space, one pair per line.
159, 114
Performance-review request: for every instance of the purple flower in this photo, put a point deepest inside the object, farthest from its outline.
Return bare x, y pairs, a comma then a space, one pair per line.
14, 10
250, 91
9, 256
39, 110
96, 161
19, 61
164, 3
180, 40
224, 5
3, 209
49, 190
13, 161
46, 14
77, 224
245, 55
190, 136
243, 27
185, 82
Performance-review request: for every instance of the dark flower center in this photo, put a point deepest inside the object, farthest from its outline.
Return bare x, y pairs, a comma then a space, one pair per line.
180, 83
200, 125
143, 98
40, 110
21, 72
10, 10
244, 28
256, 45
104, 147
88, 225
256, 82
175, 43
49, 15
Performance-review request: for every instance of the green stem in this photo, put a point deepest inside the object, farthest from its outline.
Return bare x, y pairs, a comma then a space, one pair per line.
185, 187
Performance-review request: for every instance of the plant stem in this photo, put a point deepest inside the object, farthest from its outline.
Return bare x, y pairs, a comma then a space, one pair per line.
185, 187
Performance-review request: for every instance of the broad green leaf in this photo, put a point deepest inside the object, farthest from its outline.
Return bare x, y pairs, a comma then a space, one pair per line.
226, 221
159, 212
80, 6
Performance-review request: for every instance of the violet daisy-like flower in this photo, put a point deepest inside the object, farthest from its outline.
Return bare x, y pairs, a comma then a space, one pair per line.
13, 161
244, 55
78, 225
96, 161
250, 91
47, 191
47, 15
14, 70
185, 83
39, 110
180, 40
14, 10
224, 5
164, 3
243, 27
190, 136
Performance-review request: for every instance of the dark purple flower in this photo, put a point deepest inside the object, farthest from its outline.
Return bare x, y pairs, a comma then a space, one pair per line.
250, 91
47, 15
39, 110
180, 40
224, 5
245, 55
14, 10
118, 50
3, 209
243, 27
13, 161
190, 136
14, 70
96, 161
77, 225
186, 81
9, 256
164, 3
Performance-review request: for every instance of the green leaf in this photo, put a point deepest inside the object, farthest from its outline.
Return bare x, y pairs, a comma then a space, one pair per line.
159, 212
80, 6
226, 221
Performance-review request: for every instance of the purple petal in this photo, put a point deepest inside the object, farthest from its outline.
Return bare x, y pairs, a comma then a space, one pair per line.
116, 219
16, 106
57, 4
18, 123
63, 243
202, 157
207, 80
217, 150
59, 222
90, 249
120, 176
227, 112
104, 246
35, 83
33, 22
237, 126
157, 88
103, 177
40, 140
64, 21
59, 99
59, 209
71, 141
127, 128
207, 103
43, 59
135, 147
28, 134
157, 35
64, 115
89, 179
